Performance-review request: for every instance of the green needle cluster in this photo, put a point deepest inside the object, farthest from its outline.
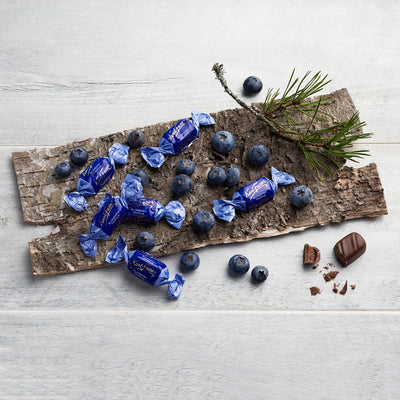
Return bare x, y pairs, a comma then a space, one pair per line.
322, 147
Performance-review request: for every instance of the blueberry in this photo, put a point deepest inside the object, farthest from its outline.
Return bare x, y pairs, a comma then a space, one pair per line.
63, 169
144, 241
79, 156
144, 179
185, 167
190, 261
136, 138
216, 176
259, 273
301, 196
203, 221
182, 184
252, 85
232, 176
239, 264
223, 142
258, 155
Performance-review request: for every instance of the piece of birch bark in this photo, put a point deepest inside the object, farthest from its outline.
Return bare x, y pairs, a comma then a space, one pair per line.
349, 193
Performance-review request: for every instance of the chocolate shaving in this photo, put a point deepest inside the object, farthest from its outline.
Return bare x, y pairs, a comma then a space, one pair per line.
335, 287
344, 290
353, 287
330, 275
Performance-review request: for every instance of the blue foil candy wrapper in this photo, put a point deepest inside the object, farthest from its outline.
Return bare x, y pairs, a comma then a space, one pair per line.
146, 267
96, 175
253, 195
177, 138
150, 211
112, 211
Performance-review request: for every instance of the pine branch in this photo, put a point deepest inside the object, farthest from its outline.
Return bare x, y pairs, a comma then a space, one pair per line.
322, 147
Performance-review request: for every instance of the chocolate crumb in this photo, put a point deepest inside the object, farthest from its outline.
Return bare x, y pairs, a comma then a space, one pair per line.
344, 290
314, 290
330, 275
353, 287
335, 287
326, 267
315, 266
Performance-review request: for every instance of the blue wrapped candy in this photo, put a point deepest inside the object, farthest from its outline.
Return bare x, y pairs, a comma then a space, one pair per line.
96, 175
253, 195
112, 211
177, 138
150, 211
146, 267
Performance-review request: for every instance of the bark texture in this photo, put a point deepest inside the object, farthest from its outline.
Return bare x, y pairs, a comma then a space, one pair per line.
350, 193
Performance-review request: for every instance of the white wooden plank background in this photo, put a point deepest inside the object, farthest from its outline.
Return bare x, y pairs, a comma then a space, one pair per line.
74, 69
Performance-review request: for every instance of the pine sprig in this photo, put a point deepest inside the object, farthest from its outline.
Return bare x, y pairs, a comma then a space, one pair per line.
322, 147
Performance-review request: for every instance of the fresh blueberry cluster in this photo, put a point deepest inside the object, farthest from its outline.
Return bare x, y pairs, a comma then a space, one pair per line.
78, 156
217, 176
239, 265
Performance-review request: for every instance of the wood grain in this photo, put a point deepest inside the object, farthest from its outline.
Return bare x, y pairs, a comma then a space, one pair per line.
149, 361
78, 69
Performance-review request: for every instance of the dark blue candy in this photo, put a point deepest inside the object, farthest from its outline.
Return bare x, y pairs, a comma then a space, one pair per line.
150, 211
96, 175
146, 267
252, 195
112, 211
176, 139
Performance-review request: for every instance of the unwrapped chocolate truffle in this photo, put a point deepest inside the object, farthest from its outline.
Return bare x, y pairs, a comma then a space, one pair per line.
350, 248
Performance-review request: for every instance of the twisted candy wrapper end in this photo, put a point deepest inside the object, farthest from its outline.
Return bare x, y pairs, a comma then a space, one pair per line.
119, 252
76, 201
175, 214
88, 241
119, 153
225, 209
153, 156
204, 119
